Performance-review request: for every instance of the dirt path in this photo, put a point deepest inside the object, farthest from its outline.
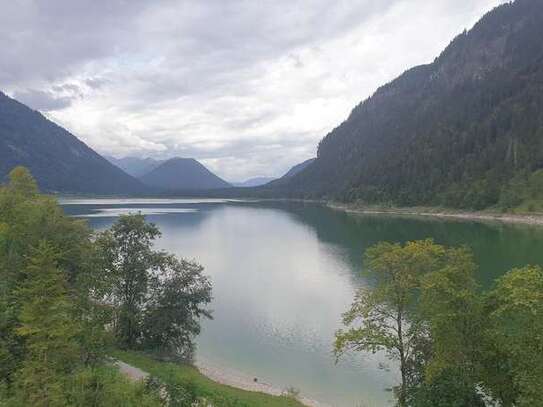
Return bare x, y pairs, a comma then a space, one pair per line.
133, 373
228, 378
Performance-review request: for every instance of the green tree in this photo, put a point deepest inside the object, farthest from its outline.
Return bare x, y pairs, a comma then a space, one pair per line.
127, 259
515, 318
382, 318
448, 388
22, 182
450, 304
157, 299
52, 335
26, 219
49, 330
452, 308
172, 315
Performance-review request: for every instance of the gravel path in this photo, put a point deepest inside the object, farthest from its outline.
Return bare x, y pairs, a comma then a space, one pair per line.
131, 372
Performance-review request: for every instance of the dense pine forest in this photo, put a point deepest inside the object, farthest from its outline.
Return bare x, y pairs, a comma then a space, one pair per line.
465, 131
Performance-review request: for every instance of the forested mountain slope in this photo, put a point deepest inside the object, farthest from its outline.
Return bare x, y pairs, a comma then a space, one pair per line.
463, 131
59, 160
298, 168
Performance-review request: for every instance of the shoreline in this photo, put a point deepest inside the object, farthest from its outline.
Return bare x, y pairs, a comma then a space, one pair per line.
510, 218
239, 380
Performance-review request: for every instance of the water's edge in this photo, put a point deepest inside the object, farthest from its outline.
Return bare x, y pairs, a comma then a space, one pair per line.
239, 380
525, 219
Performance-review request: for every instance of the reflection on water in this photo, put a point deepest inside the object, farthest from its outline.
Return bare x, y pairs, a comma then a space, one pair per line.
284, 272
115, 212
141, 201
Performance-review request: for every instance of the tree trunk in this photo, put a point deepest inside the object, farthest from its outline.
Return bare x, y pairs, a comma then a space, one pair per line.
402, 396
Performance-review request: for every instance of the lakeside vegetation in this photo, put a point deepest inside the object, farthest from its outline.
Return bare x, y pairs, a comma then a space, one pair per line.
188, 377
71, 299
454, 344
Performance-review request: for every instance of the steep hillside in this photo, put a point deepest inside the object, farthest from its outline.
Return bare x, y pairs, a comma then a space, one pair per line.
179, 174
298, 168
57, 159
463, 131
268, 181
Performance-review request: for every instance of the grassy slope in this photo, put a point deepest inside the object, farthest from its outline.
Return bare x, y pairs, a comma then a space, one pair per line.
221, 395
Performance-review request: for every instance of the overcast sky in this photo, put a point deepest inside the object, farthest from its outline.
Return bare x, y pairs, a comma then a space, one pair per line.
247, 87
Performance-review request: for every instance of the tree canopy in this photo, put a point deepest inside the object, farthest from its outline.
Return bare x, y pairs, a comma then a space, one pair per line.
454, 345
67, 297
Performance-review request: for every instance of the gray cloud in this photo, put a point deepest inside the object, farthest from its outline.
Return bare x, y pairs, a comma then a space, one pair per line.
249, 87
44, 101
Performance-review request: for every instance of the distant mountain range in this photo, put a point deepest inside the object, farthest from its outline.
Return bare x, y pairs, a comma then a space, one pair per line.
253, 182
179, 174
195, 176
135, 166
58, 160
463, 131
62, 163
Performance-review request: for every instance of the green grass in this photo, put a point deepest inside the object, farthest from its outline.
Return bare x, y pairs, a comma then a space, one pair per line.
219, 394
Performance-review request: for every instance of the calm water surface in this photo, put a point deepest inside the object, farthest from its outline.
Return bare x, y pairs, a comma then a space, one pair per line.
284, 272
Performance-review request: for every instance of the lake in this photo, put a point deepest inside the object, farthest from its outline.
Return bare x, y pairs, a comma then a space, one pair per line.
284, 272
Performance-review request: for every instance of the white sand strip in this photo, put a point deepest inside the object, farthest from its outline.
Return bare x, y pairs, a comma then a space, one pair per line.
243, 381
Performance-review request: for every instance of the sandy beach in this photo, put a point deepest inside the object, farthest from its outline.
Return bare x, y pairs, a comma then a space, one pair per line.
231, 377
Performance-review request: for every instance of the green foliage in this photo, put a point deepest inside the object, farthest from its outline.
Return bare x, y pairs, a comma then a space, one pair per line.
46, 324
189, 378
175, 393
158, 299
515, 311
455, 345
450, 305
448, 389
383, 317
104, 386
28, 221
21, 182
173, 311
127, 257
58, 301
524, 193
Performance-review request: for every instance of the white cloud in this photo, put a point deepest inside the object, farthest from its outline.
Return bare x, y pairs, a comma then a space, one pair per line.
249, 88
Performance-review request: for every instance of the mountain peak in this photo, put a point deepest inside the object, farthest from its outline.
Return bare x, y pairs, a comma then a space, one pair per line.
177, 174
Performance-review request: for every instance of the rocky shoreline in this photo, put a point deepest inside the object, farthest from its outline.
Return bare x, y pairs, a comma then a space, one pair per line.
525, 219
